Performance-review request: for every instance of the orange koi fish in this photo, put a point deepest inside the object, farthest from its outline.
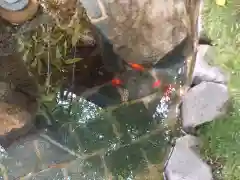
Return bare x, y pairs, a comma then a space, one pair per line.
116, 82
137, 67
156, 84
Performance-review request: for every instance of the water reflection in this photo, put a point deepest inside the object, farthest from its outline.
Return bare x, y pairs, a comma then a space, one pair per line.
117, 140
126, 140
121, 141
84, 109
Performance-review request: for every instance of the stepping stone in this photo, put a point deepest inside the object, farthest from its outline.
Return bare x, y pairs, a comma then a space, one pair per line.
185, 163
203, 103
203, 71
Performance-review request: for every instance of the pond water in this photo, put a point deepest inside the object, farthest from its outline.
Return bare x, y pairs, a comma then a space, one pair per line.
123, 141
128, 141
117, 132
131, 140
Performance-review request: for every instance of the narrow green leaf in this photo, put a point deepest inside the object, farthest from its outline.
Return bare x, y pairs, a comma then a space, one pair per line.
49, 97
39, 50
65, 48
71, 61
54, 42
75, 39
25, 55
57, 63
76, 34
58, 53
48, 81
34, 63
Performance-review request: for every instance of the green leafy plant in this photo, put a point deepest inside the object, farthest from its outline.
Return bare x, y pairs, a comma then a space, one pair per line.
46, 47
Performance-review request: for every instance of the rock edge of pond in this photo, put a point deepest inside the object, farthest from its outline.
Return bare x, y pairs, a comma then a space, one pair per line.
206, 100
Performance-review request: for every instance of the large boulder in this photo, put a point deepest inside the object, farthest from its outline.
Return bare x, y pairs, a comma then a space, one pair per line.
135, 28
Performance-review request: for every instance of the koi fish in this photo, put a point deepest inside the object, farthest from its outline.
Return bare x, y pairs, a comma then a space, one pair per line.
137, 67
156, 84
116, 82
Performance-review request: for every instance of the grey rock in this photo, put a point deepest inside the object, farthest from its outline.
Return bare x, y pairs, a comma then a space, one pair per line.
14, 5
33, 154
128, 32
92, 8
205, 72
203, 103
185, 163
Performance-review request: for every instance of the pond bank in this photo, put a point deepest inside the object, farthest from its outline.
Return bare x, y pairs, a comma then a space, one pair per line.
221, 138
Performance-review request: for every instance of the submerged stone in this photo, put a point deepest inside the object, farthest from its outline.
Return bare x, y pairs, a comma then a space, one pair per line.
33, 153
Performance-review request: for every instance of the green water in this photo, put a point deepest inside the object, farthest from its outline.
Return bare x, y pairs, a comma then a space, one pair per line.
124, 142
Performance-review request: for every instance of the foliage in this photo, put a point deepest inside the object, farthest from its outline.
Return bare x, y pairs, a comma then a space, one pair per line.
46, 47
